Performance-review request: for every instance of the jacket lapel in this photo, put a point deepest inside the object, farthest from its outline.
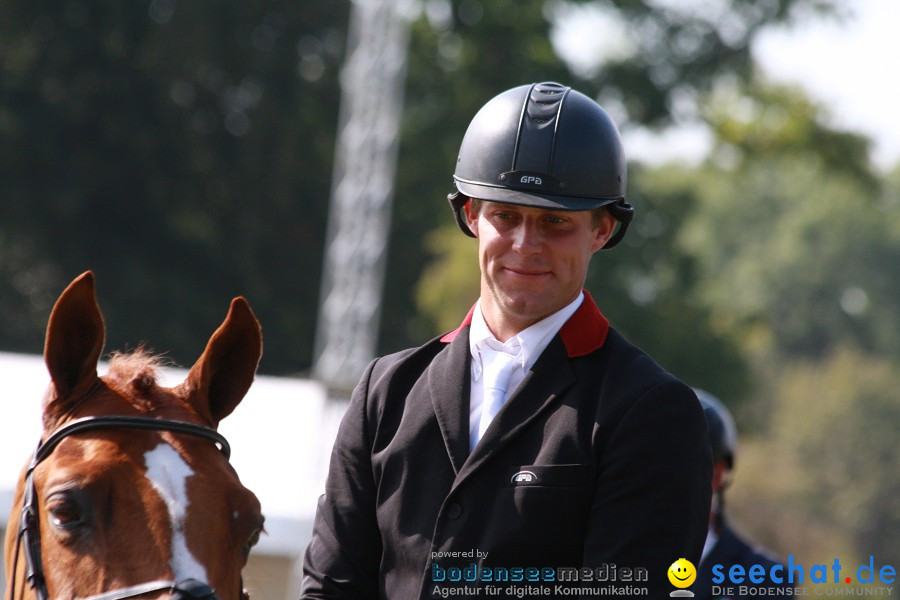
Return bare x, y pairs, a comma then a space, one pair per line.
551, 376
448, 382
449, 379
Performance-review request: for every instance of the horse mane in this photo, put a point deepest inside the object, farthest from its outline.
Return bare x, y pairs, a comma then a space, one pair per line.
137, 369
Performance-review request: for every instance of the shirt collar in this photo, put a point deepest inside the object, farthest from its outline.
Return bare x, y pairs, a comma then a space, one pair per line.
712, 538
583, 333
526, 345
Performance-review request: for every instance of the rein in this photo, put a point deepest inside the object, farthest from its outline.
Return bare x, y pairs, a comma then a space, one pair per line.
29, 524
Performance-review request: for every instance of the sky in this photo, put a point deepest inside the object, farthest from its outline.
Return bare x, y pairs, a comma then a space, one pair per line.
851, 67
848, 66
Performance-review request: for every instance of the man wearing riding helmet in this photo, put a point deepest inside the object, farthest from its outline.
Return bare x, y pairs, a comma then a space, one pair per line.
723, 545
534, 436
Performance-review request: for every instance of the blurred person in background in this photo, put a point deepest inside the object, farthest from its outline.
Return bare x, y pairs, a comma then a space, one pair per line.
723, 546
534, 435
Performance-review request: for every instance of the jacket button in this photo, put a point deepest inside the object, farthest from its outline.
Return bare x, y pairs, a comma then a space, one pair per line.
454, 511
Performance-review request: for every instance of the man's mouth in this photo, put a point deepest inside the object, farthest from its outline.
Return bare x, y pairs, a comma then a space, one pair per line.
526, 272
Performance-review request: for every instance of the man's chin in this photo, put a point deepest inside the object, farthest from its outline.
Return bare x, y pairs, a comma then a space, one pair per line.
527, 306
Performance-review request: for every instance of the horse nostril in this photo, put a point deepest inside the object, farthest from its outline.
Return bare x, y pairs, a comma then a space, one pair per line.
191, 589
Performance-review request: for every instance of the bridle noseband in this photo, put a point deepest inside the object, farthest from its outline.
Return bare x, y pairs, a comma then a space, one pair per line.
29, 534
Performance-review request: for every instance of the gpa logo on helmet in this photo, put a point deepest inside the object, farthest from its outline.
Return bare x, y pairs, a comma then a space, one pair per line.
531, 180
524, 477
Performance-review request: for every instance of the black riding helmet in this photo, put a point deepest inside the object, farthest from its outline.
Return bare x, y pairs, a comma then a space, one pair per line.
723, 439
544, 145
721, 428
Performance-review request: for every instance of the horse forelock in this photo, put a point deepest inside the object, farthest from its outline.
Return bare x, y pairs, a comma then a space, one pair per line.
136, 371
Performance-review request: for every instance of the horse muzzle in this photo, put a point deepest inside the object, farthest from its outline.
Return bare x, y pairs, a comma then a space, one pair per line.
191, 589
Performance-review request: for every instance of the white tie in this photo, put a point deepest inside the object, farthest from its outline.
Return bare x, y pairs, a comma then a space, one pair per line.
495, 380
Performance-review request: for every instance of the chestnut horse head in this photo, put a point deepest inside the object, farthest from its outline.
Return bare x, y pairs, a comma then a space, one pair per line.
130, 493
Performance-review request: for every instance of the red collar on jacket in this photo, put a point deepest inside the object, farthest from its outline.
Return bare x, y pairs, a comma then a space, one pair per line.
584, 332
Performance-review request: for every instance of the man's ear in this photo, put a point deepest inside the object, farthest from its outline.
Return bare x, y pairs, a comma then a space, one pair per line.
720, 476
471, 210
604, 230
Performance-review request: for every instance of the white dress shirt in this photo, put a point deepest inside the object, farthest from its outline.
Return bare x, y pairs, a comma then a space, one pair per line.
711, 539
526, 346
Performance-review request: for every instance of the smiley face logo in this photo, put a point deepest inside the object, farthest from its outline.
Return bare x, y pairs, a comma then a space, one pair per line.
682, 573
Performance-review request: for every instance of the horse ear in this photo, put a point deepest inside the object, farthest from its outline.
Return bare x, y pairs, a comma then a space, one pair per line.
222, 375
73, 343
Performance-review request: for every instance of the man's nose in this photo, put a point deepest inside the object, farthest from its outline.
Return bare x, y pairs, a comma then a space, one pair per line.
527, 238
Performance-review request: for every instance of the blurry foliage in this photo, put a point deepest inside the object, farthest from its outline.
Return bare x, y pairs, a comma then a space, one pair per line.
451, 282
658, 58
762, 119
794, 233
176, 149
828, 465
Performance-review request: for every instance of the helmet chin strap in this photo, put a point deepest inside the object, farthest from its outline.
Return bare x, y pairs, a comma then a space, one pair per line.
457, 201
623, 213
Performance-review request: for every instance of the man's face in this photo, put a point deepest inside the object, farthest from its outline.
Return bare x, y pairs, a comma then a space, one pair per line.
533, 260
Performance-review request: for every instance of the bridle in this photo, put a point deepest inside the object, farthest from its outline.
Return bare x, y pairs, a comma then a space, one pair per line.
29, 535
29, 525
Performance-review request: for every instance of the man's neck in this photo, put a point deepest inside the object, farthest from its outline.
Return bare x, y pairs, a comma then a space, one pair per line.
504, 324
503, 327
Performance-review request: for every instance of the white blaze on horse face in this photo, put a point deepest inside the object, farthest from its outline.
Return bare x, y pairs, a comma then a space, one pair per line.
168, 473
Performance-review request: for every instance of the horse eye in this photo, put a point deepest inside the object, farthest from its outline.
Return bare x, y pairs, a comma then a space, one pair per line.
65, 512
251, 542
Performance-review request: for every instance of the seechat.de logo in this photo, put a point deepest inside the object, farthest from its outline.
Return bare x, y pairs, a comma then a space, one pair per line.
796, 573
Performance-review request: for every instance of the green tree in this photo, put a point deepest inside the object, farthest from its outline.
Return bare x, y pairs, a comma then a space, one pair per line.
176, 149
792, 231
793, 240
836, 423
